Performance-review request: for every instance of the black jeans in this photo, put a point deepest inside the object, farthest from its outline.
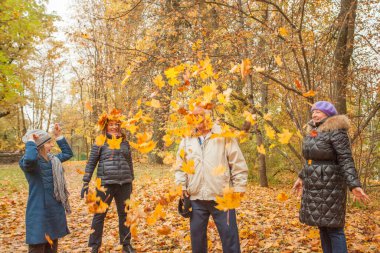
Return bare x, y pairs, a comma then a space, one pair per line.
121, 193
44, 247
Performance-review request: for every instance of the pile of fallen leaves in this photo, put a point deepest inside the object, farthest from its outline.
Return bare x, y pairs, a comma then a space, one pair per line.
267, 219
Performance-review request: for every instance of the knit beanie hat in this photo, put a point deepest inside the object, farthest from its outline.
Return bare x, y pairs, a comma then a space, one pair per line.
43, 137
326, 107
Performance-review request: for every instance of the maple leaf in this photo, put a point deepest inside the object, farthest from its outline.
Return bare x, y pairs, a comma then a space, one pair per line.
298, 84
168, 140
153, 103
217, 171
88, 106
282, 197
284, 136
100, 139
145, 147
230, 200
283, 32
171, 73
188, 167
98, 184
158, 81
310, 93
114, 143
174, 105
49, 240
261, 149
278, 60
182, 153
249, 117
269, 132
245, 68
127, 76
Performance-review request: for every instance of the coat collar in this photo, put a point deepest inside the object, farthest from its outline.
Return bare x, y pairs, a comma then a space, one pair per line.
330, 124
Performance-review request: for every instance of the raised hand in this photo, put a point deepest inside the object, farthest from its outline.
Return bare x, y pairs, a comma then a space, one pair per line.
57, 130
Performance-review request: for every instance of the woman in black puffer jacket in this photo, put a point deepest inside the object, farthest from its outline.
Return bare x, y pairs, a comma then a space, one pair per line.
328, 171
115, 169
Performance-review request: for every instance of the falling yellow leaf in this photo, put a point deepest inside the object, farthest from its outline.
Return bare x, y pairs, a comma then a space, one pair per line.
174, 105
249, 117
284, 136
100, 139
261, 149
168, 140
154, 103
230, 200
127, 76
188, 167
278, 60
159, 82
282, 197
88, 106
283, 32
145, 147
49, 240
269, 132
98, 184
114, 143
171, 73
221, 98
217, 171
245, 68
310, 93
182, 153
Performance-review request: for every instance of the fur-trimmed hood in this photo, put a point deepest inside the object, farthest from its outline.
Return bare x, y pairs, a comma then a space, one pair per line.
331, 123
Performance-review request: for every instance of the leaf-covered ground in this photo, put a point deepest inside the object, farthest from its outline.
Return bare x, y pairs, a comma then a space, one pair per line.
267, 222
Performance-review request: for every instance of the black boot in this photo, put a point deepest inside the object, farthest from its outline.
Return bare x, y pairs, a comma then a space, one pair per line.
94, 250
128, 249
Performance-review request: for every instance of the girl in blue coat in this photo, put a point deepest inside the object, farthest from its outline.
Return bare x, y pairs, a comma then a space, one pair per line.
48, 196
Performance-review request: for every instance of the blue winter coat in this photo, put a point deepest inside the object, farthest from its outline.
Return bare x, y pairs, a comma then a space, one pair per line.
44, 214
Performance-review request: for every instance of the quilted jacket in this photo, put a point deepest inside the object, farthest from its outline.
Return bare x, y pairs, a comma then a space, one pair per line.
114, 165
328, 171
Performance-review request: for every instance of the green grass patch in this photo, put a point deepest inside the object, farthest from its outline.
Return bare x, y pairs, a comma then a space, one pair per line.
12, 179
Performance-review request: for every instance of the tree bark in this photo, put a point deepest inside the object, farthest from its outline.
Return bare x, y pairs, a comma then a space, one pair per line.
343, 52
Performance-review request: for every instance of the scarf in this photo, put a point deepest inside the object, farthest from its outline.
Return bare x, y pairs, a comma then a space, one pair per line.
61, 193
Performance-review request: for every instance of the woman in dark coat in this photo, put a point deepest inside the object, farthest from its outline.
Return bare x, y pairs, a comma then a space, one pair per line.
328, 171
115, 169
48, 196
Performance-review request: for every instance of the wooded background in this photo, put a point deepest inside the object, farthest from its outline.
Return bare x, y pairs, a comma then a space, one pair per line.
271, 58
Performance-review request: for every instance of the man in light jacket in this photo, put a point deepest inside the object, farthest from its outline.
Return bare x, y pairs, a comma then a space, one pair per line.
204, 185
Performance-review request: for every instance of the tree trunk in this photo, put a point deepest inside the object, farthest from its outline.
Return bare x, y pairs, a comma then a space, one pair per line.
343, 52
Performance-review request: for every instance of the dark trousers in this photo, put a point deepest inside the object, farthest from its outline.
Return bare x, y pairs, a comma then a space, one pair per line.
121, 193
44, 247
228, 230
333, 240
